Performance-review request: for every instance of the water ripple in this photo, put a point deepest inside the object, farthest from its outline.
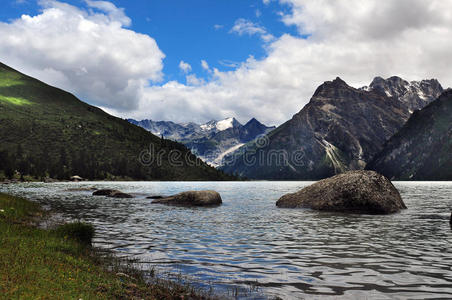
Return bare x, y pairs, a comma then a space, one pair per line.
289, 253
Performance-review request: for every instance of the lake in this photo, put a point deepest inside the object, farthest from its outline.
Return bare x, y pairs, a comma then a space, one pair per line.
248, 241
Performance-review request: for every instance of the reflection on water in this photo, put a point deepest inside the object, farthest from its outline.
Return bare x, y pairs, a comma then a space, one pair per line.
290, 253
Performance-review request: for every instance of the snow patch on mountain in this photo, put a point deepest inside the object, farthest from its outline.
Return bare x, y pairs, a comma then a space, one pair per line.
225, 124
219, 160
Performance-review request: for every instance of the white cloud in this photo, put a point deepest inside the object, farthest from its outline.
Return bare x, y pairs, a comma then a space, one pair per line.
243, 26
192, 79
258, 13
86, 52
185, 67
204, 65
218, 26
114, 13
353, 39
229, 63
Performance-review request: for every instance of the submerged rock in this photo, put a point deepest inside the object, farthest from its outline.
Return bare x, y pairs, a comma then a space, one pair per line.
112, 193
192, 198
119, 194
155, 197
105, 192
354, 191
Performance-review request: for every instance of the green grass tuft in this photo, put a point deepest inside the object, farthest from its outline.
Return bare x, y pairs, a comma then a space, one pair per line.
78, 231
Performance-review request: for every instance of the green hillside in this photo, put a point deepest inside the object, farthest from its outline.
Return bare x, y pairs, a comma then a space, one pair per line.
45, 131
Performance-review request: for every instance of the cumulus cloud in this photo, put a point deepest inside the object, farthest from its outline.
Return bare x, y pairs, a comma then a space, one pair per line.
243, 26
353, 39
88, 52
204, 65
185, 67
114, 13
192, 79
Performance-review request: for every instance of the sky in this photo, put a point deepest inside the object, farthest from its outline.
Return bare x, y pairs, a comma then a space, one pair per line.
200, 60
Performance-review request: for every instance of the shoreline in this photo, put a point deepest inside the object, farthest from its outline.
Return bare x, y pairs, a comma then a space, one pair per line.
43, 263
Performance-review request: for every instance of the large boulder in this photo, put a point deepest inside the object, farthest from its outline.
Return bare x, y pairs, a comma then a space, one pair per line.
354, 192
192, 198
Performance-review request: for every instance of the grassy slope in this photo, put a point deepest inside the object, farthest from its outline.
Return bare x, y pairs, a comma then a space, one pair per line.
40, 264
47, 121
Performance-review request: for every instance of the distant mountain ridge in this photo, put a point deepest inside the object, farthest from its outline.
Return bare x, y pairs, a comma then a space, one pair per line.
422, 149
211, 141
340, 129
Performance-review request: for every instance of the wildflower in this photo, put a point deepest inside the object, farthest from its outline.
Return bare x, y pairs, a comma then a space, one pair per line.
2, 210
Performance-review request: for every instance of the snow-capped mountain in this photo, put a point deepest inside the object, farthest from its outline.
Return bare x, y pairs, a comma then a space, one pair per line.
217, 126
211, 141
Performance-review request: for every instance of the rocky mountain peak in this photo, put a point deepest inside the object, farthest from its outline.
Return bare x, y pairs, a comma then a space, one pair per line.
393, 86
336, 88
414, 95
253, 122
338, 81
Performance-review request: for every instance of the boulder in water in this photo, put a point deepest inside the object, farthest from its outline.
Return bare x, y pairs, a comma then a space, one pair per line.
354, 192
112, 193
105, 192
119, 194
192, 198
154, 197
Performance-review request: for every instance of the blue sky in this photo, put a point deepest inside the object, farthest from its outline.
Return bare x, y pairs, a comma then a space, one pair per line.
190, 31
264, 58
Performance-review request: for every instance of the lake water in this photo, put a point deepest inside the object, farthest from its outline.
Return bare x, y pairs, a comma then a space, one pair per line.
290, 253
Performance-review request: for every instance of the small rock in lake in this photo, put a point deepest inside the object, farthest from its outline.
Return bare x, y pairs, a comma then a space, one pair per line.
192, 198
120, 195
105, 192
155, 197
112, 193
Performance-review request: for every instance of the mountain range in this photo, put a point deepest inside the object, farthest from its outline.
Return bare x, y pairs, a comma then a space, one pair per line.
399, 128
45, 131
340, 129
210, 141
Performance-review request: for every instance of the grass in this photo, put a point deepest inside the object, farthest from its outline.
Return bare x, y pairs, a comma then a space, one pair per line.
15, 100
10, 79
51, 264
78, 231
